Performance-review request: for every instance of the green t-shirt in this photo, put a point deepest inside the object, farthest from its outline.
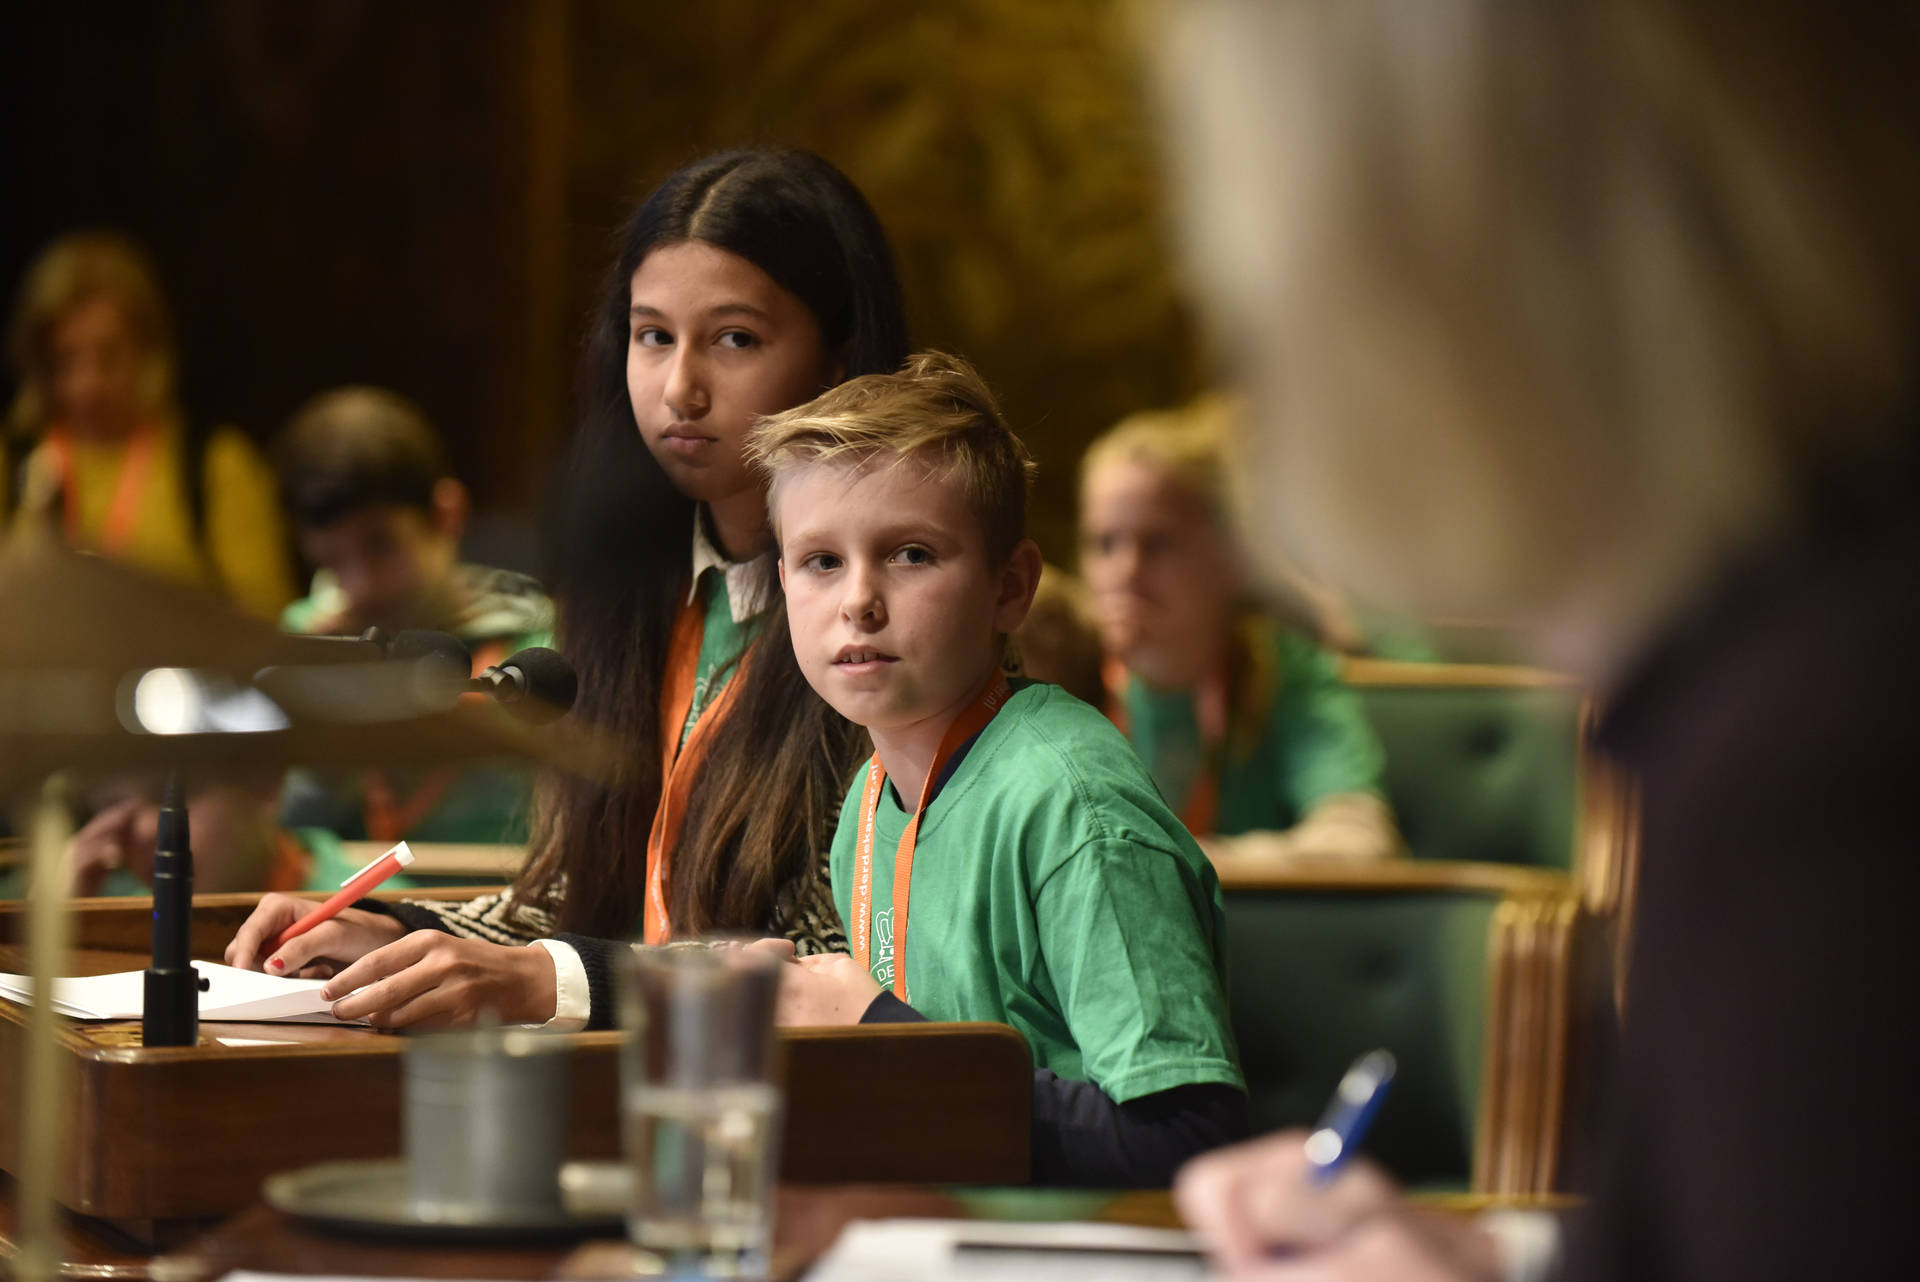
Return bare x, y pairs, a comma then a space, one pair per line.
1054, 891
1311, 742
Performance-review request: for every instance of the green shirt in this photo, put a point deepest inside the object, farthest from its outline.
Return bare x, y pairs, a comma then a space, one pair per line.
1054, 891
1311, 741
479, 802
721, 642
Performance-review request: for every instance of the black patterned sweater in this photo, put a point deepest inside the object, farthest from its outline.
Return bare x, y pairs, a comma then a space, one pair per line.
803, 913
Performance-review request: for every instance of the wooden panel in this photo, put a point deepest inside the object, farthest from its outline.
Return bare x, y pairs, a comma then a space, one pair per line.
169, 1132
1261, 872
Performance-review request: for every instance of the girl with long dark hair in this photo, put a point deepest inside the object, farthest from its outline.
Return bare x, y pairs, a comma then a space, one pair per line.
747, 283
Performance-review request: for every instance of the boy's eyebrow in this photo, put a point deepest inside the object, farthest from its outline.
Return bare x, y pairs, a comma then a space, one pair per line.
910, 530
717, 311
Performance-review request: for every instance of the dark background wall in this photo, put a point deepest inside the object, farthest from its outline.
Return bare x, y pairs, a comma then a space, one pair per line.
423, 195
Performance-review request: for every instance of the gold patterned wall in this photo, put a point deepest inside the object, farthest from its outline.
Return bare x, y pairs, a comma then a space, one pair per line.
1004, 144
437, 183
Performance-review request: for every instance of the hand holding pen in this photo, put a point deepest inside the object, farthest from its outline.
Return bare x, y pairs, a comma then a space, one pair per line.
309, 940
1301, 1204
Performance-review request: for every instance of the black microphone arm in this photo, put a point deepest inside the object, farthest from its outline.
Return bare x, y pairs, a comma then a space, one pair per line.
537, 684
375, 677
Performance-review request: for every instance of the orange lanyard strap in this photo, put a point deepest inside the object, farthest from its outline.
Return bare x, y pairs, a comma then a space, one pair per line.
1200, 812
389, 819
679, 763
128, 488
292, 863
968, 724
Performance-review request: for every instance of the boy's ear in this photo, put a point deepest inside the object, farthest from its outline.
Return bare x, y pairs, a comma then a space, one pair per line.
1018, 582
780, 564
451, 507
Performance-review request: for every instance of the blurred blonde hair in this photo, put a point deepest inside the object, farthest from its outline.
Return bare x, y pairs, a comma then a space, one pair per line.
937, 408
1556, 305
1191, 446
73, 270
1059, 641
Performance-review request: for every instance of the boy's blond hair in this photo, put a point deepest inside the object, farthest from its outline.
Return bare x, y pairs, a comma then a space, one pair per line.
936, 407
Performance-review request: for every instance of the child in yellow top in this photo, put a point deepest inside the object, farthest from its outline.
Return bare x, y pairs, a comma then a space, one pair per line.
115, 467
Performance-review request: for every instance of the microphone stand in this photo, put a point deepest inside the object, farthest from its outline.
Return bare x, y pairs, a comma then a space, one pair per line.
170, 1015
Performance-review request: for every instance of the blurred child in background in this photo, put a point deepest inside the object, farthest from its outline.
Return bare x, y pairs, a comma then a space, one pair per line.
379, 516
115, 466
1060, 640
1240, 716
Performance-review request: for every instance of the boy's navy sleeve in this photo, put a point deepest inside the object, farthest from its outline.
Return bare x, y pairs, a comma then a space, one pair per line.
1081, 1137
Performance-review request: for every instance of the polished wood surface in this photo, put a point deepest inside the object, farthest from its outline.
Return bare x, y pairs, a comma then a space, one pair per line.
176, 1132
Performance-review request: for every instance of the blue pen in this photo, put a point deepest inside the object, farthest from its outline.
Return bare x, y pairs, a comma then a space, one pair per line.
1348, 1115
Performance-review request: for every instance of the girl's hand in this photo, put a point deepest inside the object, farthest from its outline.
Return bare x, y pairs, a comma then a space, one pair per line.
431, 980
349, 936
829, 988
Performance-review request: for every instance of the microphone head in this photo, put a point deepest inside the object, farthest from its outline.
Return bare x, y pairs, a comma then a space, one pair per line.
546, 682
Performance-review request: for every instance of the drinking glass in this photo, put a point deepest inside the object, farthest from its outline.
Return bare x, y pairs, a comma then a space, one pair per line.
701, 1108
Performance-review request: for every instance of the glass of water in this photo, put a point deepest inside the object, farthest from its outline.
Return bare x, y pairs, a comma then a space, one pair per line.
701, 1108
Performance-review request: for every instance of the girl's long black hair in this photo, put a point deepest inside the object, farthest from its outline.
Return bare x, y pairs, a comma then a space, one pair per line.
619, 548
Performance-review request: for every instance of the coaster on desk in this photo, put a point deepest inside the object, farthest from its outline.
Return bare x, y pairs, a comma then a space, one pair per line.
372, 1198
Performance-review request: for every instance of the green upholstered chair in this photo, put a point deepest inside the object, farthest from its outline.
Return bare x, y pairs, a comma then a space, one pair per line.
1418, 958
1483, 763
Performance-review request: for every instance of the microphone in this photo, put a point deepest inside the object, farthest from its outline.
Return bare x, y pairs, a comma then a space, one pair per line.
537, 685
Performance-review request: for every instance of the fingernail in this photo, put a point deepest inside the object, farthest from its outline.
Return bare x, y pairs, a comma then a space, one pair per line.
276, 964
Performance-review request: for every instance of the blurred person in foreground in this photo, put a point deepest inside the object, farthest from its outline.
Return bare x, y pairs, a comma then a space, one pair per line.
379, 515
1240, 715
115, 466
1606, 316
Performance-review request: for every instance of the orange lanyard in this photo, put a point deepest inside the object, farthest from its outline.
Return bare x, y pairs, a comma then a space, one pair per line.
968, 724
389, 819
679, 763
1200, 812
128, 489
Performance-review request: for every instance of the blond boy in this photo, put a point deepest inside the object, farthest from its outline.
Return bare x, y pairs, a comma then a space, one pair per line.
1004, 856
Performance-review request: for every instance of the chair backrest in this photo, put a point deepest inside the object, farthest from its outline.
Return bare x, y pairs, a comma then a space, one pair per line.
1482, 763
1325, 966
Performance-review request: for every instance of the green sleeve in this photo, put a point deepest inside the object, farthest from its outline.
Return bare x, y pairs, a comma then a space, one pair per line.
331, 867
1128, 934
1326, 745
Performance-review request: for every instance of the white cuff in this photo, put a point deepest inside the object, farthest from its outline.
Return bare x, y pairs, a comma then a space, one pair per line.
1528, 1242
572, 1003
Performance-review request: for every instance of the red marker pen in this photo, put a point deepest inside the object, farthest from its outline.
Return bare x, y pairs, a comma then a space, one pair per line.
355, 887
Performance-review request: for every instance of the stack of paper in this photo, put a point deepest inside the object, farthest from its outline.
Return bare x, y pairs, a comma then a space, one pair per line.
246, 996
984, 1251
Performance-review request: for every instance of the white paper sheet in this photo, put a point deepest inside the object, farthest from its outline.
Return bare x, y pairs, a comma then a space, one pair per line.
243, 996
979, 1251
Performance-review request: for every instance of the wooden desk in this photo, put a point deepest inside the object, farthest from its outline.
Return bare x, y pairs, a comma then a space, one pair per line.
169, 1133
